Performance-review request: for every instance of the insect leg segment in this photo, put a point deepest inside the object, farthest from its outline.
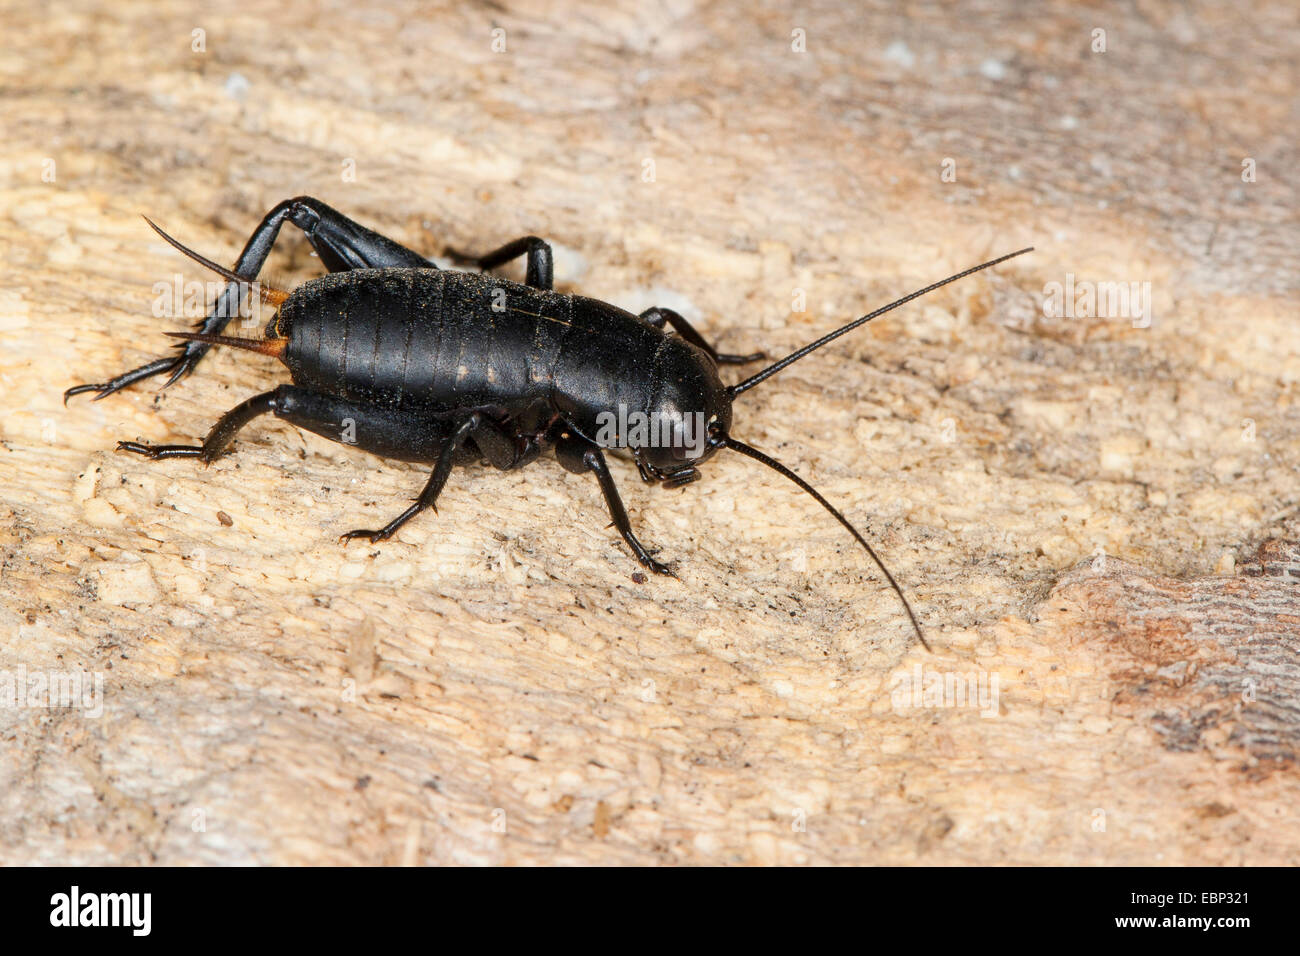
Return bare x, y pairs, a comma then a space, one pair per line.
658, 316
345, 244
341, 244
579, 456
492, 441
429, 496
500, 447
383, 431
540, 267
221, 435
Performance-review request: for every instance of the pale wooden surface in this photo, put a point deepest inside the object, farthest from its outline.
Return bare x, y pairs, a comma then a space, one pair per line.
507, 667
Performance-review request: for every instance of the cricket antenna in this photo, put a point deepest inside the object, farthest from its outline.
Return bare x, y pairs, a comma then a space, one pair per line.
771, 370
726, 441
270, 296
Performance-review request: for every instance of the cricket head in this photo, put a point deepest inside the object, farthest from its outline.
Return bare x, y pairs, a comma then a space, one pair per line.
687, 408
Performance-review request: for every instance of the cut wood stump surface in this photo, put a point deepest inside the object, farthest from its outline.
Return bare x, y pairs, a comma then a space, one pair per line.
1092, 500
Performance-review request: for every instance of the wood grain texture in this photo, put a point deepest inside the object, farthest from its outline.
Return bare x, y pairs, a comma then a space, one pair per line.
1098, 515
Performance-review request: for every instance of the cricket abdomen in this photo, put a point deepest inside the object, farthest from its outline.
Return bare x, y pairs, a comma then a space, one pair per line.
463, 340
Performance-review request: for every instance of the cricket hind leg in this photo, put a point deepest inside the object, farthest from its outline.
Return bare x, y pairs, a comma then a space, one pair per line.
390, 432
217, 440
341, 244
400, 433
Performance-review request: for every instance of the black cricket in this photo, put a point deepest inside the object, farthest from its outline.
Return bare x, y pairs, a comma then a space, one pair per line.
447, 367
